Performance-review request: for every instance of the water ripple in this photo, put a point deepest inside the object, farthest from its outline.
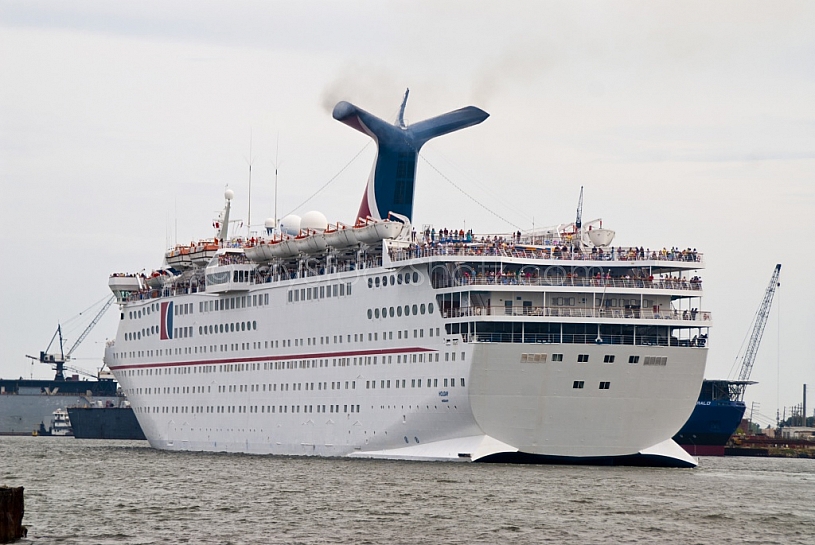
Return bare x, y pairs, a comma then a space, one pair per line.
80, 492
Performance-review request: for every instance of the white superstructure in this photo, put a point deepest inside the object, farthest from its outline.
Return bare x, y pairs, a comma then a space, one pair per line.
539, 346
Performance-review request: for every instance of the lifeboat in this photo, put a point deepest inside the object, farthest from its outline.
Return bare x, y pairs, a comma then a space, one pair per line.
259, 253
203, 252
371, 232
601, 237
334, 237
315, 243
349, 235
179, 257
312, 241
158, 278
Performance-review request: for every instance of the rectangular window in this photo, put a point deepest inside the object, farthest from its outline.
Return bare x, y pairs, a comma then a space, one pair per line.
608, 358
578, 384
633, 359
605, 385
582, 358
655, 360
557, 357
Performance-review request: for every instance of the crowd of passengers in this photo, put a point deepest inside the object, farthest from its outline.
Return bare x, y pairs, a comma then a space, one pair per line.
525, 276
496, 245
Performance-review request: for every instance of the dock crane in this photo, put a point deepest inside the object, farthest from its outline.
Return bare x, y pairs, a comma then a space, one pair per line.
758, 328
59, 360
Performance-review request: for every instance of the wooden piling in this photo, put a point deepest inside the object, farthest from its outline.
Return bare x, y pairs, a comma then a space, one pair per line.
11, 514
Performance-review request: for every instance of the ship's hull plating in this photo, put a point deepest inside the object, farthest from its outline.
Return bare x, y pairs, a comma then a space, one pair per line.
710, 427
105, 423
274, 390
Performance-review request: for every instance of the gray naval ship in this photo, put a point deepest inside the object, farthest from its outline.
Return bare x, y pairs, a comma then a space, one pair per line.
27, 403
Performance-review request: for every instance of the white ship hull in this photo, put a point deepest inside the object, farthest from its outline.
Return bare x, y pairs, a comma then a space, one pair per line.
290, 387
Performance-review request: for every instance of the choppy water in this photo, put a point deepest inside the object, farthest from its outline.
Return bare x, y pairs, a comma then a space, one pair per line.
120, 492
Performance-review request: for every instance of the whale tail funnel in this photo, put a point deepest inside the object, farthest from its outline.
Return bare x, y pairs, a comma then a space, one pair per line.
391, 183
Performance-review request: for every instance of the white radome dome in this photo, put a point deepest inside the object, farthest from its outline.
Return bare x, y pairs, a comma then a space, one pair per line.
290, 225
269, 223
229, 194
314, 221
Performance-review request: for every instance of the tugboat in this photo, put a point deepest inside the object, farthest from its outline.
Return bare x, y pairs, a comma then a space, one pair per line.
60, 425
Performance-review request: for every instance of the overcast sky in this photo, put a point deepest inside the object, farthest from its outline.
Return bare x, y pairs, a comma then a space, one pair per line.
690, 124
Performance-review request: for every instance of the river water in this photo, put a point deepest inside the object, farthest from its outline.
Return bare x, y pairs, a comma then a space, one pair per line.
124, 492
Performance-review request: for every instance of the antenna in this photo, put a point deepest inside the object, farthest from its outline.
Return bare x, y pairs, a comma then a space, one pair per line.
275, 163
402, 110
249, 161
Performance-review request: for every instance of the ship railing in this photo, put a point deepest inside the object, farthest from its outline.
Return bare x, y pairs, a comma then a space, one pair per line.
691, 315
557, 338
576, 281
522, 252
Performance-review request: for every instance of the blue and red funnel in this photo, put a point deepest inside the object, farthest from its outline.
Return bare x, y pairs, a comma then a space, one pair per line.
391, 183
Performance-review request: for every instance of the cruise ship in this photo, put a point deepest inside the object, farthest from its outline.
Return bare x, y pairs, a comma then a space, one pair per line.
376, 339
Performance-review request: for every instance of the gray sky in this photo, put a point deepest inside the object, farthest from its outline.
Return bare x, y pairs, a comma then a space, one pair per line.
690, 124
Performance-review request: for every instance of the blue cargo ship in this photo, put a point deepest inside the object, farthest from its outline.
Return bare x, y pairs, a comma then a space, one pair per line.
718, 413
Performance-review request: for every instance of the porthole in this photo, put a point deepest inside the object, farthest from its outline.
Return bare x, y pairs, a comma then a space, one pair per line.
393, 279
407, 278
390, 311
384, 281
376, 281
243, 326
421, 308
370, 282
254, 324
200, 330
376, 312
415, 309
231, 328
399, 311
415, 277
430, 308
407, 310
370, 313
399, 279
384, 312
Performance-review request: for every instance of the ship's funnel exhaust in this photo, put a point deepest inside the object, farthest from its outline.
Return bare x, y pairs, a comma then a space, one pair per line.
391, 183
